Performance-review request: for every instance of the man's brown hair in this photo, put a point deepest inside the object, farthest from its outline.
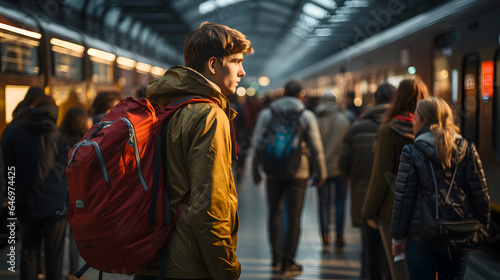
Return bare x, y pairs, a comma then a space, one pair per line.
212, 39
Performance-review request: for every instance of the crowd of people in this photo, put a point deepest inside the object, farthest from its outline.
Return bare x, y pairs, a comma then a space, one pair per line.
375, 156
370, 153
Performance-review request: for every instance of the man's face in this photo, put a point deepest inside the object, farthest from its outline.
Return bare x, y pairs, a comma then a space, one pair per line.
228, 73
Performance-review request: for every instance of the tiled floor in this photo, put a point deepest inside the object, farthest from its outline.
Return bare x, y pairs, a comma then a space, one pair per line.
253, 246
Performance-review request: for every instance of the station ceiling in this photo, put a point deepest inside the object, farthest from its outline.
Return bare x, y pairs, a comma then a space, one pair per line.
287, 35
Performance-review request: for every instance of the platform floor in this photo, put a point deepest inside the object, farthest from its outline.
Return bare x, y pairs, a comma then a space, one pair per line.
253, 246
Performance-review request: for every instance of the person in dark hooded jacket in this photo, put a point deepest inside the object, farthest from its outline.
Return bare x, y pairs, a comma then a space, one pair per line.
439, 156
35, 156
356, 161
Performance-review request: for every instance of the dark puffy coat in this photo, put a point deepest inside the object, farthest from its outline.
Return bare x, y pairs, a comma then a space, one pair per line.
415, 191
32, 145
356, 158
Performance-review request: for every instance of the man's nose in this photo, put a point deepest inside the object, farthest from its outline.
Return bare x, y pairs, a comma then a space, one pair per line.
241, 72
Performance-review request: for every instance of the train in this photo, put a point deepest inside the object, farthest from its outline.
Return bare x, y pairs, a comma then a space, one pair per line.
68, 64
455, 50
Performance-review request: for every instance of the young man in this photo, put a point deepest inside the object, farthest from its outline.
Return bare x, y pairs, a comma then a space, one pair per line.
199, 151
290, 189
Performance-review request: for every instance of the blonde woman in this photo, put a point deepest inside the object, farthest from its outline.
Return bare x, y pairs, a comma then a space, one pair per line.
438, 157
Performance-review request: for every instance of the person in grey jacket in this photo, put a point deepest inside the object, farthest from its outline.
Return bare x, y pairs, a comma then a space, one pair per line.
292, 189
356, 161
333, 125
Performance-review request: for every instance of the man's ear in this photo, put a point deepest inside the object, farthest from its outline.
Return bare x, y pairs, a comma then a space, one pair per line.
212, 65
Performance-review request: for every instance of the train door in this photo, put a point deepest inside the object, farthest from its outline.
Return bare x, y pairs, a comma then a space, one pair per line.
496, 107
470, 98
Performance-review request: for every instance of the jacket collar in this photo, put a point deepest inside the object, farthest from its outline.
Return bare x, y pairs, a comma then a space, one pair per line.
179, 81
427, 142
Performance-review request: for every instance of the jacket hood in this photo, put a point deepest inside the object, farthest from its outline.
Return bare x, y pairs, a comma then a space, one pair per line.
429, 147
326, 108
40, 119
403, 126
287, 105
179, 81
375, 113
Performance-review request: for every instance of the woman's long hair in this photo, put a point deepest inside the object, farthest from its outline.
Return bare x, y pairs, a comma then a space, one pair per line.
440, 118
75, 124
407, 95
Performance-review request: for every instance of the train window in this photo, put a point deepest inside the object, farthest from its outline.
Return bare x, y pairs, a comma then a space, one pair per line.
470, 101
67, 66
101, 66
68, 59
102, 73
19, 54
496, 107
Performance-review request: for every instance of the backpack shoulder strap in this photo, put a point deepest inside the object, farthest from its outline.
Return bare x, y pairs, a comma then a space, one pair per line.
160, 154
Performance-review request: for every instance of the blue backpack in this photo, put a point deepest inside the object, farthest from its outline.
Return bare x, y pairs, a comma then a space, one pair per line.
282, 151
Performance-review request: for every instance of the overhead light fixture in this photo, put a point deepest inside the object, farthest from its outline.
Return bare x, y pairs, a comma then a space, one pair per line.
314, 11
125, 62
356, 4
157, 71
212, 5
68, 45
21, 31
330, 4
101, 54
143, 67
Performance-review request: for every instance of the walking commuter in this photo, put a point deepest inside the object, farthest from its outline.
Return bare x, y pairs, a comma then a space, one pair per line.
33, 150
333, 125
451, 162
199, 150
283, 188
356, 161
75, 124
395, 131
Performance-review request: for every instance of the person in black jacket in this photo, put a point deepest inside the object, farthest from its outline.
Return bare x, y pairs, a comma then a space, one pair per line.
439, 156
32, 148
356, 161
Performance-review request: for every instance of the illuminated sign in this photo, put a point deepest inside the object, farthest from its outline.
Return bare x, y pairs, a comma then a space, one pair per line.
487, 71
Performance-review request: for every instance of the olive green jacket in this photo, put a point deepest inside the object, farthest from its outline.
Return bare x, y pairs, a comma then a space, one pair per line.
379, 198
199, 154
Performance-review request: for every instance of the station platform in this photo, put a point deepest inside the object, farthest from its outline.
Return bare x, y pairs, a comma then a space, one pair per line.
254, 251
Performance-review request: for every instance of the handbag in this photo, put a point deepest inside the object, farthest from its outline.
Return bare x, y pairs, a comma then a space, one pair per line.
459, 235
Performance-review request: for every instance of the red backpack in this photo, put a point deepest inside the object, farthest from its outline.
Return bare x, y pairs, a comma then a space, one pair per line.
118, 206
